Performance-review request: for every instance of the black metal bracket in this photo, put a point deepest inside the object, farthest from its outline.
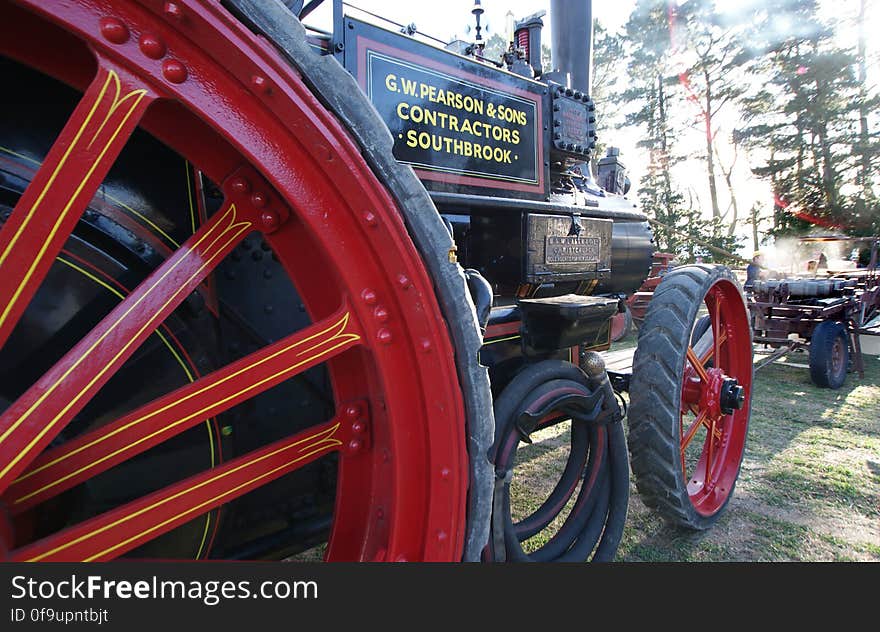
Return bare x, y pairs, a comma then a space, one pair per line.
578, 407
560, 322
619, 381
302, 9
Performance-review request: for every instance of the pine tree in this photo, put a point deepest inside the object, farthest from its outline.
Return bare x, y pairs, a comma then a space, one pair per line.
710, 79
866, 205
608, 59
495, 48
647, 43
803, 115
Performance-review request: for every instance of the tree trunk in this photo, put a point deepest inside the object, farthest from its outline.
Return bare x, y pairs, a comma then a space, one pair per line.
864, 136
710, 163
774, 184
799, 124
728, 179
754, 213
664, 145
829, 181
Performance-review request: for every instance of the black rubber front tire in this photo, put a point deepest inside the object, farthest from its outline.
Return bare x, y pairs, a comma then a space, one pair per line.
655, 392
829, 355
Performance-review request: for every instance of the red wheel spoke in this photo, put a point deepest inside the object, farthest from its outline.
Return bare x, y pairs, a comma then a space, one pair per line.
692, 430
711, 353
88, 455
681, 434
44, 409
113, 533
64, 184
698, 366
696, 411
710, 446
716, 328
703, 419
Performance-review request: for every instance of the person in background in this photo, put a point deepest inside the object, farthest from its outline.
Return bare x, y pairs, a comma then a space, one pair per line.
755, 269
822, 260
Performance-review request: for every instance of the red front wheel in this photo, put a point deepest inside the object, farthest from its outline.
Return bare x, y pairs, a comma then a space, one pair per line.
691, 393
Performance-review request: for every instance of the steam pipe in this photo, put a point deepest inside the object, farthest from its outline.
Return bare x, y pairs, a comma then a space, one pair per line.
572, 41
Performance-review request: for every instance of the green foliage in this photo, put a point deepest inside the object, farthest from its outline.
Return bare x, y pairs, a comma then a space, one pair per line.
709, 49
798, 101
652, 93
660, 202
803, 116
804, 108
495, 47
607, 55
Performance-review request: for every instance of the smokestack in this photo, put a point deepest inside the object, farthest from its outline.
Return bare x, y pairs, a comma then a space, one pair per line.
572, 41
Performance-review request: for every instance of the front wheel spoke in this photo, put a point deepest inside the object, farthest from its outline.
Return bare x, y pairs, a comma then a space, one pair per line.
115, 532
711, 354
716, 328
681, 434
87, 456
698, 366
710, 447
30, 423
691, 431
695, 409
50, 207
712, 427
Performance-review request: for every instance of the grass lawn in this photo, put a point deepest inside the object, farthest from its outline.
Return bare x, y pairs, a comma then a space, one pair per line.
809, 489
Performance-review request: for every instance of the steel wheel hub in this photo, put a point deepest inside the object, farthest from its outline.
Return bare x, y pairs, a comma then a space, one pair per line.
721, 395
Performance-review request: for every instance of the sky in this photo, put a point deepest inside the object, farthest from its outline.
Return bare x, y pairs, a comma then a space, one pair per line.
456, 16
455, 19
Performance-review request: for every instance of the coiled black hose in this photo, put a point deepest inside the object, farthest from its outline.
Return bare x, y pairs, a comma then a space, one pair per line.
597, 464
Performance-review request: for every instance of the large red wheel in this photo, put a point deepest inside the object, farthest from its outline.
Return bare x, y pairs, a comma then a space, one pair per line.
282, 178
691, 393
